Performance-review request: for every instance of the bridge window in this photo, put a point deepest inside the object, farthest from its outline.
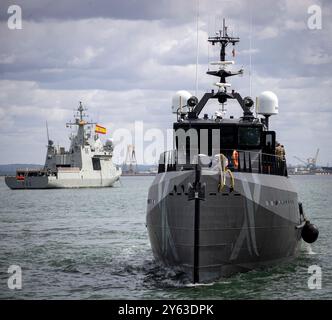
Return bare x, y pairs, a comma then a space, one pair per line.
227, 136
249, 136
96, 164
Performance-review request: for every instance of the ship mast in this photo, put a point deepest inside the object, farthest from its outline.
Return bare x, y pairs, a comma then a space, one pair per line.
223, 39
81, 123
80, 110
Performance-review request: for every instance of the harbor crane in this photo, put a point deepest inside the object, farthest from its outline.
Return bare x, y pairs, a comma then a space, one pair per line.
311, 162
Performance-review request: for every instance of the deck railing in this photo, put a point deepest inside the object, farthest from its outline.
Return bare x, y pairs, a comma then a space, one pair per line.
248, 161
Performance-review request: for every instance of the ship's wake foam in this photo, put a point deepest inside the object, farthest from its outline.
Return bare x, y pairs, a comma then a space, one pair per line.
308, 249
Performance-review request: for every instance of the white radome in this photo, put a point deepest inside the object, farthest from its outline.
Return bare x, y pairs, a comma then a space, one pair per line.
179, 101
267, 103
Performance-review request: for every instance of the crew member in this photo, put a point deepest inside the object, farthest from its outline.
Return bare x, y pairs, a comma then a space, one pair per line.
279, 152
283, 153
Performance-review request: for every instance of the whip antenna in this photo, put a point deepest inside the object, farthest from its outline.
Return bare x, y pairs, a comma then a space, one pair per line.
250, 48
197, 47
48, 137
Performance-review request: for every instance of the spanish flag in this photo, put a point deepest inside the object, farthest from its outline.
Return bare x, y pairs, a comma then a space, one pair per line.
100, 129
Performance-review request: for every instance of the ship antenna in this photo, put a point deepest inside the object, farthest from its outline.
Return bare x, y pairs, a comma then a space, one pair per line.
208, 44
80, 110
250, 53
48, 136
197, 48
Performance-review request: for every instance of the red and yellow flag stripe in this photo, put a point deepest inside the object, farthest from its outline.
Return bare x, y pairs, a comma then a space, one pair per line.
100, 129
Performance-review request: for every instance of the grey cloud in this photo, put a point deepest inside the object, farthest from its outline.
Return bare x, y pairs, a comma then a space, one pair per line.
39, 10
124, 59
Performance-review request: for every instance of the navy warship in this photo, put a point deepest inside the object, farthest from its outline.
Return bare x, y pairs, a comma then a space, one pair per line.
87, 163
222, 201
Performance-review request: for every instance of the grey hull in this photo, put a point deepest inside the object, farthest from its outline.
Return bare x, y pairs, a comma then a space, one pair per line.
28, 183
45, 183
250, 227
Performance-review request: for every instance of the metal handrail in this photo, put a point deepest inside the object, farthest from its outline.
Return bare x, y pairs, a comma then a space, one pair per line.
248, 161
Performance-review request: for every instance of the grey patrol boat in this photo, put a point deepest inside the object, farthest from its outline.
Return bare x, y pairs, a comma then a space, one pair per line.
222, 201
87, 163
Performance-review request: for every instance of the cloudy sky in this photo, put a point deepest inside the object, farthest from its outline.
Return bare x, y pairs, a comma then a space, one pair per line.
125, 59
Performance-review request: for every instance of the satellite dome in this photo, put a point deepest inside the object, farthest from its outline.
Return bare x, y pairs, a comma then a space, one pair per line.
180, 100
267, 103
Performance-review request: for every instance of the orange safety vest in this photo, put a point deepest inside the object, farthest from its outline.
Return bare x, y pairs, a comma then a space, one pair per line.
235, 158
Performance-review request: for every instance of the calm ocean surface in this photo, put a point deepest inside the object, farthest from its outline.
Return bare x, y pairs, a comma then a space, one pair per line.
93, 244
